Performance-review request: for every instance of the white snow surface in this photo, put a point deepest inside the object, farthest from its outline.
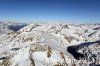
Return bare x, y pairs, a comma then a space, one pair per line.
45, 44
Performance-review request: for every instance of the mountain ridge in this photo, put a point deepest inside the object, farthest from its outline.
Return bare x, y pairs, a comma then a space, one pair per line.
42, 44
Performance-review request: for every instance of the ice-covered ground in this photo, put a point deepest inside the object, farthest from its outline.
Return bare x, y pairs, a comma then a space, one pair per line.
56, 44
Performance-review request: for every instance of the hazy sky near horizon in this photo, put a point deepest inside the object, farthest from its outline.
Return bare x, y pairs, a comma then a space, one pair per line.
82, 11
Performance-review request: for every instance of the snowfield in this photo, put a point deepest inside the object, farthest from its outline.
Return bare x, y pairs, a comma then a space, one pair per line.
51, 44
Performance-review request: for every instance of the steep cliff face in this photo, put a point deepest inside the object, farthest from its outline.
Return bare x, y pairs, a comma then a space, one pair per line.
51, 45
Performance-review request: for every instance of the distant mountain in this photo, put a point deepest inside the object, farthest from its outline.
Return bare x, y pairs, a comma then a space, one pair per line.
7, 27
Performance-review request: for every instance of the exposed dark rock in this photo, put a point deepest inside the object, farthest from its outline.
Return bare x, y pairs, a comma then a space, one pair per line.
97, 65
15, 49
2, 58
91, 34
74, 52
74, 49
97, 28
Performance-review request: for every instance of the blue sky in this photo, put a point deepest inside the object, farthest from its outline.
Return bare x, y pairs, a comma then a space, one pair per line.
82, 11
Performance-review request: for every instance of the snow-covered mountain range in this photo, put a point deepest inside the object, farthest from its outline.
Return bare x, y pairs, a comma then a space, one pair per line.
50, 44
7, 27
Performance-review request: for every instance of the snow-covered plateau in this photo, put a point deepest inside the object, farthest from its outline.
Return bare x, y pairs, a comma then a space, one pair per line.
50, 44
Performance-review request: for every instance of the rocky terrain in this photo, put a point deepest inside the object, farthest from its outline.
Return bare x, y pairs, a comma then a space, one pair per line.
51, 44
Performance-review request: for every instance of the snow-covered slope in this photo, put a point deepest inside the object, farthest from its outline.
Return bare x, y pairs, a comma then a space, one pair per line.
43, 44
